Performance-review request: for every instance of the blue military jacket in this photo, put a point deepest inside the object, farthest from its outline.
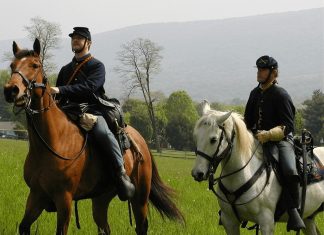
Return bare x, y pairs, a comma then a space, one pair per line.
270, 108
88, 80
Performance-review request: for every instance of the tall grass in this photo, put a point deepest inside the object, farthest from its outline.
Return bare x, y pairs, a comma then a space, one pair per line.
198, 205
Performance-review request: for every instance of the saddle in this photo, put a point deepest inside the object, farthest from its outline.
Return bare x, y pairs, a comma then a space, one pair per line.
111, 111
315, 168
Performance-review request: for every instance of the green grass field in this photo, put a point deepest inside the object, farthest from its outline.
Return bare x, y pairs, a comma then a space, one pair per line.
198, 205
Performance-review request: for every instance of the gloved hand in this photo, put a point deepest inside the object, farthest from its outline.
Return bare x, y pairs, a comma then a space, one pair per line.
87, 121
54, 90
274, 134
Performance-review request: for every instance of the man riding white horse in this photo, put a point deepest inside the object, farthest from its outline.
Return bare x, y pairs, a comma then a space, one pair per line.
270, 114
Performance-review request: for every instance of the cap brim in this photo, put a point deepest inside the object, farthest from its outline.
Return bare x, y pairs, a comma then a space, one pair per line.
77, 33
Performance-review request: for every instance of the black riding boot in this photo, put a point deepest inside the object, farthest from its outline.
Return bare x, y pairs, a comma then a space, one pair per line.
295, 222
125, 188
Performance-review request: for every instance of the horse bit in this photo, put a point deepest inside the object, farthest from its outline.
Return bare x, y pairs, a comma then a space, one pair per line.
30, 85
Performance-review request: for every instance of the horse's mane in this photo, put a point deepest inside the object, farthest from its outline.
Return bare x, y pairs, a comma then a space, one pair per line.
243, 136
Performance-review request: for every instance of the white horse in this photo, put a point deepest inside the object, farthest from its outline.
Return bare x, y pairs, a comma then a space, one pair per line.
223, 138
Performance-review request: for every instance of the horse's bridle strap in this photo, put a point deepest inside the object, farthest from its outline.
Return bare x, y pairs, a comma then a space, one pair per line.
204, 155
22, 76
32, 83
245, 187
215, 159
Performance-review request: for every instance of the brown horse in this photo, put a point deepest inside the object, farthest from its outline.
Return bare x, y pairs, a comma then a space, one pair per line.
61, 167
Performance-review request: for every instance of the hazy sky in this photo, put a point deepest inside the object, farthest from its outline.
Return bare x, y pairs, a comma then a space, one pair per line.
105, 15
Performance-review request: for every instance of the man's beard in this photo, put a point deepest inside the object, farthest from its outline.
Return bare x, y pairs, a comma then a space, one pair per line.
77, 50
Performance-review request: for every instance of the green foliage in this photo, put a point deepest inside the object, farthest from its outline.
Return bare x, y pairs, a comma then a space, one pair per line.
5, 108
223, 107
179, 132
161, 122
299, 122
182, 115
137, 115
180, 103
313, 114
52, 79
4, 77
141, 121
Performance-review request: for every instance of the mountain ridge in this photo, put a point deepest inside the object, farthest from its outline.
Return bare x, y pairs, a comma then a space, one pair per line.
214, 59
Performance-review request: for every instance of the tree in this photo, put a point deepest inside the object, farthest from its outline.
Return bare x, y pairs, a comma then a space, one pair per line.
161, 122
49, 35
139, 60
179, 132
6, 109
133, 109
313, 114
299, 122
182, 115
222, 107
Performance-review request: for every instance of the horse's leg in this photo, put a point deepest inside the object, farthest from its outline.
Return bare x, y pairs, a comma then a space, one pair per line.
266, 221
140, 210
63, 204
311, 228
140, 202
230, 223
99, 212
267, 228
34, 207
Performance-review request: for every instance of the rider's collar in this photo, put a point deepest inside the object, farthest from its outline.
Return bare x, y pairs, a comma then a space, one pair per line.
78, 60
264, 87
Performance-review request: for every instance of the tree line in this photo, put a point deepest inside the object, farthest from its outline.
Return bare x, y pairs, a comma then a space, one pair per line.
163, 121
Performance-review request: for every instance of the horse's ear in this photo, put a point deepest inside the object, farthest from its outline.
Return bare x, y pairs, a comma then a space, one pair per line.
36, 46
15, 48
223, 118
205, 107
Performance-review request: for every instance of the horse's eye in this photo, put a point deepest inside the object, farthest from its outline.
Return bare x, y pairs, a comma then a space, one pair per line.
213, 140
35, 66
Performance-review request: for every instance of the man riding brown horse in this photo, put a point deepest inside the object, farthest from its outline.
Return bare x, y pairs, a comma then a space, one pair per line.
79, 82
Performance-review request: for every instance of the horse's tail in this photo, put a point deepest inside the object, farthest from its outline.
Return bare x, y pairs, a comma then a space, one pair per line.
162, 197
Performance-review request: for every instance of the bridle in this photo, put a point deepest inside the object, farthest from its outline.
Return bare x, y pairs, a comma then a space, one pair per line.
30, 85
216, 158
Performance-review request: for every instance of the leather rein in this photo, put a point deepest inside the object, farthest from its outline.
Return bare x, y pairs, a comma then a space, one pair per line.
30, 85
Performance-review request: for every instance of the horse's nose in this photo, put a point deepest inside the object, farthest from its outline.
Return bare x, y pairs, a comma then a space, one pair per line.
10, 92
197, 175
